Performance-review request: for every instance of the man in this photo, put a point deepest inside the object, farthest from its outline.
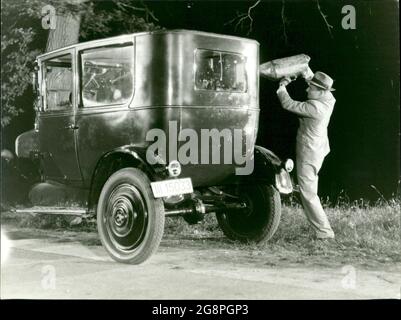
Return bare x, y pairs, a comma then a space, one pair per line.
312, 144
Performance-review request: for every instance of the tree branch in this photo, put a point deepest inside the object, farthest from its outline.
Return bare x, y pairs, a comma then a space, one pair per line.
242, 18
124, 6
284, 21
324, 16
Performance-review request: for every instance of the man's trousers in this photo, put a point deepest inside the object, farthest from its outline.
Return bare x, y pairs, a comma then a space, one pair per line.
307, 174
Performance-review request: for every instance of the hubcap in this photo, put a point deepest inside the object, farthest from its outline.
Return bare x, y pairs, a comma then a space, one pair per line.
126, 217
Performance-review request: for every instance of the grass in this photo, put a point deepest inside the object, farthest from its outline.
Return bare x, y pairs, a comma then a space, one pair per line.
367, 234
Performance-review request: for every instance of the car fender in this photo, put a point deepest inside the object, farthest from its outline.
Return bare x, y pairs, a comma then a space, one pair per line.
269, 168
122, 157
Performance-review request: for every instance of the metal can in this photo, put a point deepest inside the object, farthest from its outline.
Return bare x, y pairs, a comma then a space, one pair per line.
290, 67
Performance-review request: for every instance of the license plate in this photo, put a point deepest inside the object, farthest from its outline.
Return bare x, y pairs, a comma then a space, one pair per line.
171, 187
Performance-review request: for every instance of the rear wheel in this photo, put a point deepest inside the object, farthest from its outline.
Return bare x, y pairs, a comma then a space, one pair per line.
259, 221
130, 220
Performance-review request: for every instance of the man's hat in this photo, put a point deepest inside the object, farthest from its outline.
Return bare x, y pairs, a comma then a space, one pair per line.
322, 80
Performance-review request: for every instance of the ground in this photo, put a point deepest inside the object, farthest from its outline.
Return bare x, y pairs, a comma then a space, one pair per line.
193, 262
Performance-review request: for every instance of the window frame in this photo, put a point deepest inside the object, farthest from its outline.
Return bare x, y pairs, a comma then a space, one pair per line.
81, 105
221, 52
42, 82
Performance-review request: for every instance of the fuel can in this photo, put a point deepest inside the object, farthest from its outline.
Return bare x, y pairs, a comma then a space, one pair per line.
290, 67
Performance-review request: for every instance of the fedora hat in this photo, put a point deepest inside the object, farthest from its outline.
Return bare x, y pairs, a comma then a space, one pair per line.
321, 80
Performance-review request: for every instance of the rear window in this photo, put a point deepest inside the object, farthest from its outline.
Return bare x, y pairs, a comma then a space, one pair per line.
220, 71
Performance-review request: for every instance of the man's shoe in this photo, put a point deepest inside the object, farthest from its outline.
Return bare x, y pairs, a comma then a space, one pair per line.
325, 238
324, 235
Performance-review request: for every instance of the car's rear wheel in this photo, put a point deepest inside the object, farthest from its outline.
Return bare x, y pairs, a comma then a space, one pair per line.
130, 220
259, 221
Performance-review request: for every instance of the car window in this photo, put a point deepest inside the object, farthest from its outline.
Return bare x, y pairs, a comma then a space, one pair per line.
58, 83
219, 71
107, 75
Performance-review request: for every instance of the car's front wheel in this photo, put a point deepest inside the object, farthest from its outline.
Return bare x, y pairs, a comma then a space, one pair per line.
130, 220
259, 221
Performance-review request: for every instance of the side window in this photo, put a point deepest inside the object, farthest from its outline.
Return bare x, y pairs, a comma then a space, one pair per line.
107, 75
58, 83
220, 71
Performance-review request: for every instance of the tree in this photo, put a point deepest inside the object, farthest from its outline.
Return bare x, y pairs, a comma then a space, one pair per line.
67, 26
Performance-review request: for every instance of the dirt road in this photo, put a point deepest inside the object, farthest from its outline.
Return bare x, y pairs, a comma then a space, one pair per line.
56, 264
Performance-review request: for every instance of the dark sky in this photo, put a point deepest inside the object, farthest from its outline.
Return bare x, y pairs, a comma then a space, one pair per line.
364, 130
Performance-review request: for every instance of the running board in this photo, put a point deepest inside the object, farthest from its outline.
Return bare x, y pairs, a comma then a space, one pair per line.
54, 210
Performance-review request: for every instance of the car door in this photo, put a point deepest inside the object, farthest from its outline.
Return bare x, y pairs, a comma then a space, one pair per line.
57, 128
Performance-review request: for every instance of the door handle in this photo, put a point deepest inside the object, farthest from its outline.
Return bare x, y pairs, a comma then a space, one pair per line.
71, 126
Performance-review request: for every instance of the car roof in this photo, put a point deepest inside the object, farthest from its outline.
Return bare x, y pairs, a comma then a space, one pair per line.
124, 37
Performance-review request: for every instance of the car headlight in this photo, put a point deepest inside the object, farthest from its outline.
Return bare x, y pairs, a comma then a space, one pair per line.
283, 182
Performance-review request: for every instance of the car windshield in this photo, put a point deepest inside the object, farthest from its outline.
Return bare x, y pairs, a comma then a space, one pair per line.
107, 76
219, 71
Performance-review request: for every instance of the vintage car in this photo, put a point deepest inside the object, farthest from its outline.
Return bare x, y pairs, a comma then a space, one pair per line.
134, 128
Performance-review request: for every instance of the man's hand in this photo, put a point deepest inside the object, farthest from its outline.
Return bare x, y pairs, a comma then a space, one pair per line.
281, 88
285, 81
308, 74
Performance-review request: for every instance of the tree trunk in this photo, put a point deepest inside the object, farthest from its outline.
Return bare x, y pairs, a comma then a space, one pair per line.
65, 33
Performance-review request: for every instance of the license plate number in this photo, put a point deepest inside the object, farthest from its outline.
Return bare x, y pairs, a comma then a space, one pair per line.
171, 187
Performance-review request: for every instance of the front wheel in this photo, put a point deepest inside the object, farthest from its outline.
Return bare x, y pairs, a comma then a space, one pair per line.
130, 220
259, 221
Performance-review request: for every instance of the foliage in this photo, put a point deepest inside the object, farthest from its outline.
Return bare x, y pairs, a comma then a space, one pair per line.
17, 55
23, 38
18, 58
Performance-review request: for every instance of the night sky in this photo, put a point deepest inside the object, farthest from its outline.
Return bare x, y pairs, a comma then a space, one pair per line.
364, 128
